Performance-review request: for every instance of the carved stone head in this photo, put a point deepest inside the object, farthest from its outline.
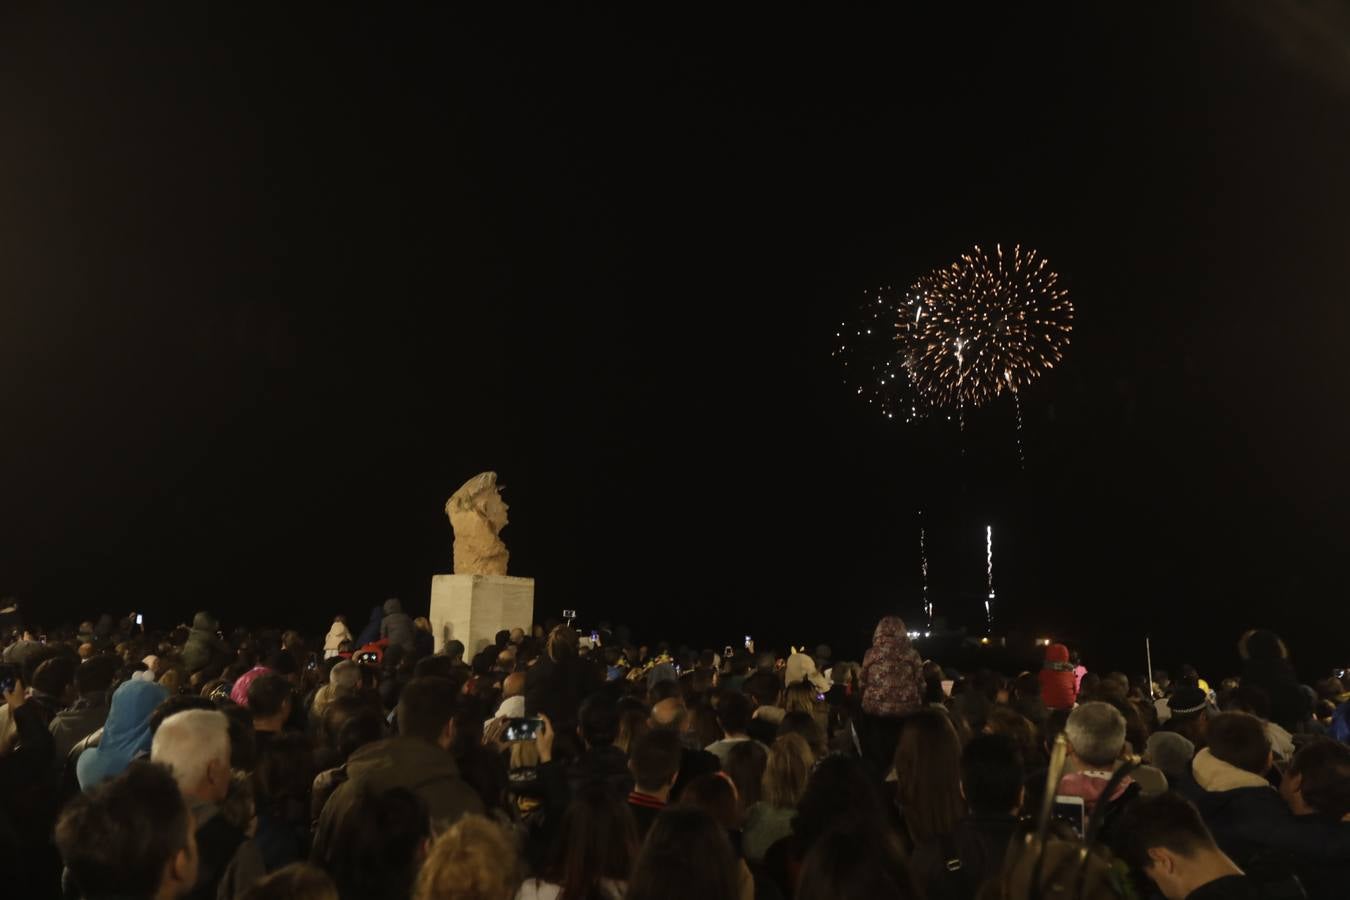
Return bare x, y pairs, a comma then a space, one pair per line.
477, 513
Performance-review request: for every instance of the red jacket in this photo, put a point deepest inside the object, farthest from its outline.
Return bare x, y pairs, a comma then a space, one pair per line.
1059, 688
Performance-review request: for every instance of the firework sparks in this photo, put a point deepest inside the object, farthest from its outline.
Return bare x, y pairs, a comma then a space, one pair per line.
989, 574
874, 352
923, 570
986, 324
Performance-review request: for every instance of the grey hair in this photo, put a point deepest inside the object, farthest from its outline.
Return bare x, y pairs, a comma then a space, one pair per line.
1096, 731
345, 675
188, 742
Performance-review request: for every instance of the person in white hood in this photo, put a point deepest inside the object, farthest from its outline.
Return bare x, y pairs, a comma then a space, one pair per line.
336, 635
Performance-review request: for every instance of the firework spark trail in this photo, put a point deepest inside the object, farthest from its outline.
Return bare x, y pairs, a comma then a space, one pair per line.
874, 352
923, 569
989, 575
1021, 455
987, 324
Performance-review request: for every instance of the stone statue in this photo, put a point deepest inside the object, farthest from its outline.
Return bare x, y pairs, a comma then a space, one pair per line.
478, 514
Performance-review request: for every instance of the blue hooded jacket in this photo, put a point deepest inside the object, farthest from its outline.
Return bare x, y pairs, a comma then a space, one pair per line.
371, 633
126, 733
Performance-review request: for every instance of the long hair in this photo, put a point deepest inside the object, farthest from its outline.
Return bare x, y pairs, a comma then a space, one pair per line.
745, 764
474, 860
928, 771
598, 841
686, 854
786, 772
855, 864
839, 794
716, 795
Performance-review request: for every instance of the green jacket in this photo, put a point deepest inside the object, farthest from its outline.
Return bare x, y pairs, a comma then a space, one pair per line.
399, 762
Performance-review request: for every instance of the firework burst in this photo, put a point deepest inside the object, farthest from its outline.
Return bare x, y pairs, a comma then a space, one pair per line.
875, 350
986, 324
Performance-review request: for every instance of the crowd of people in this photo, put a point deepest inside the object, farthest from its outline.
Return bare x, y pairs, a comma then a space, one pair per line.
254, 764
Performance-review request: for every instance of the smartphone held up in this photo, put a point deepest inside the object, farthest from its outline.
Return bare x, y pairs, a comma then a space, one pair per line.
521, 729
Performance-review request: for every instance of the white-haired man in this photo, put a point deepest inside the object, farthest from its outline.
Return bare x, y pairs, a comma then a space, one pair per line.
1096, 736
194, 745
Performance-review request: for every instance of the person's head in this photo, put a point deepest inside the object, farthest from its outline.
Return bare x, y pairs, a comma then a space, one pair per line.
854, 864
345, 678
517, 635
285, 772
598, 840
133, 836
1247, 698
195, 746
686, 854
1318, 780
269, 700
670, 715
1240, 740
1096, 735
745, 763
298, 881
786, 770
475, 859
805, 725
1008, 722
838, 793
377, 850
95, 675
654, 761
716, 795
1027, 686
599, 720
362, 727
1170, 752
928, 774
426, 708
733, 713
56, 678
513, 685
992, 774
172, 706
659, 689
763, 687
562, 644
453, 650
1164, 838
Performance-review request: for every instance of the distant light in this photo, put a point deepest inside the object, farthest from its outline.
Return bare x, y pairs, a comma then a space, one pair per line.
984, 640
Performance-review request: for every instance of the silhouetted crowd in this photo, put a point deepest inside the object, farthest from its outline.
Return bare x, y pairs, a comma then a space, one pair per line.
557, 766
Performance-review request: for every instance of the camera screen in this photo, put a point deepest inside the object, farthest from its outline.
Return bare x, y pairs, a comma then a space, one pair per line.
522, 729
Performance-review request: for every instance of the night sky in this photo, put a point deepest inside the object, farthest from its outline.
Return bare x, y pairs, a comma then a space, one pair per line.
273, 283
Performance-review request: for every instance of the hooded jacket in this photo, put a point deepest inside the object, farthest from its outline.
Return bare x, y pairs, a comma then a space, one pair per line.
397, 627
399, 762
126, 734
1059, 684
371, 633
1251, 822
892, 672
204, 646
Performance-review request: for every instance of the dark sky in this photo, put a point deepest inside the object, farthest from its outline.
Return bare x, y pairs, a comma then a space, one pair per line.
274, 282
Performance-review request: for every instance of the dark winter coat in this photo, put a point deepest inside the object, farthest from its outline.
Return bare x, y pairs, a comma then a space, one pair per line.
397, 627
954, 866
204, 647
399, 762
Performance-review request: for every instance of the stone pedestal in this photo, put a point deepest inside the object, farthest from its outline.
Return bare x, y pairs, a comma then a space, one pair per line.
473, 608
